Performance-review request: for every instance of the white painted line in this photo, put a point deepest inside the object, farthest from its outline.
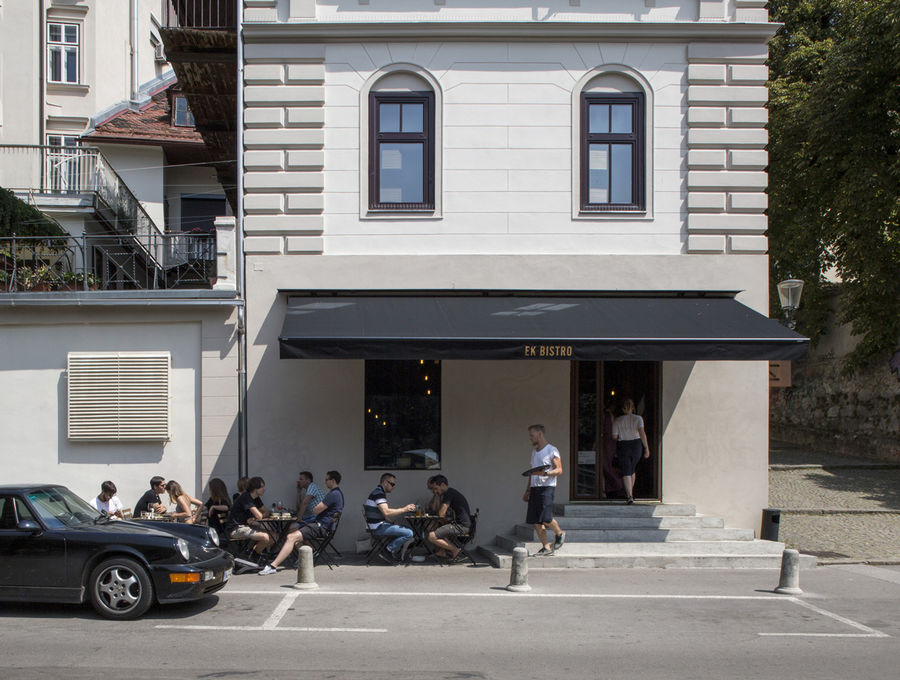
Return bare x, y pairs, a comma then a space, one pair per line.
280, 610
842, 619
828, 635
283, 628
507, 594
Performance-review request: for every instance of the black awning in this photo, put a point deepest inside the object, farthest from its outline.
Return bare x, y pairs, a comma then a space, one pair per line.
636, 328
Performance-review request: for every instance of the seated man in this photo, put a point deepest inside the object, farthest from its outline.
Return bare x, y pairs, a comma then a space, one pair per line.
434, 505
455, 507
247, 507
309, 495
323, 517
379, 515
108, 502
150, 502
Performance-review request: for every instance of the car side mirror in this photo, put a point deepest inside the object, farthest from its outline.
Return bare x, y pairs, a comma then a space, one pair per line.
29, 525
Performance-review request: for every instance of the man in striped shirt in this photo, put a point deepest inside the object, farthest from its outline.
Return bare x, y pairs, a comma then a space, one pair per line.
379, 515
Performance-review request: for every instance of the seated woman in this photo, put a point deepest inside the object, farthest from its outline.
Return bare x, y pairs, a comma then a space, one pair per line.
218, 505
184, 503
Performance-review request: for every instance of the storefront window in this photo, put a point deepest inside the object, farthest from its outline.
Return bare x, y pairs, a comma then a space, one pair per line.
403, 415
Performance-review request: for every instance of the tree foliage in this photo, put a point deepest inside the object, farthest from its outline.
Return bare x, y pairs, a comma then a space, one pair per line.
834, 196
21, 219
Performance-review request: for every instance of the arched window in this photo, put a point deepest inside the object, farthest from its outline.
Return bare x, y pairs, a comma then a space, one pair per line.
613, 144
402, 131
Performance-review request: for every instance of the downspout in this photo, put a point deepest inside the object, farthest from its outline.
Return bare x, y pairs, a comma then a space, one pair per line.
134, 51
42, 80
243, 458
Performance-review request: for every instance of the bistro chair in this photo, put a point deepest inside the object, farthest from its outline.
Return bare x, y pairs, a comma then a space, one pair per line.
320, 544
463, 541
379, 543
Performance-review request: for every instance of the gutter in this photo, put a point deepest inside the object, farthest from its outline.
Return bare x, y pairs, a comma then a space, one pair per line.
243, 447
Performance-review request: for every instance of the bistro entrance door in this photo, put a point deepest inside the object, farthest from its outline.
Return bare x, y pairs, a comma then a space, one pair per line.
598, 389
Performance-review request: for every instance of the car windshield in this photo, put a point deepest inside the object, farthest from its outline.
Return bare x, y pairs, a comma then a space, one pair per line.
59, 508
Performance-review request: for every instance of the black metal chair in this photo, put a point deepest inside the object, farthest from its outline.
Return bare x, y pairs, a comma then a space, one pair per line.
378, 543
321, 544
465, 540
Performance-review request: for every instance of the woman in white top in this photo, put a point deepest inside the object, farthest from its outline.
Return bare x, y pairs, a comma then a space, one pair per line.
628, 431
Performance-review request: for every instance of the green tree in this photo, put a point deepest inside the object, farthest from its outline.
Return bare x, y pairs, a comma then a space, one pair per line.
21, 219
834, 196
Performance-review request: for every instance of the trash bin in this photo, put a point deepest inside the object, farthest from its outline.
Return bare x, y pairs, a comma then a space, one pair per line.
771, 520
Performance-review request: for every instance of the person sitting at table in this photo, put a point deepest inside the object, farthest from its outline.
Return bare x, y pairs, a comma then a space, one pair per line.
323, 516
309, 495
108, 501
218, 505
379, 515
241, 488
249, 507
455, 507
435, 503
184, 503
150, 501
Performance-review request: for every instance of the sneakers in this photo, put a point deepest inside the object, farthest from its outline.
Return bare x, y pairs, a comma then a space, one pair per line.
544, 552
266, 570
405, 548
560, 539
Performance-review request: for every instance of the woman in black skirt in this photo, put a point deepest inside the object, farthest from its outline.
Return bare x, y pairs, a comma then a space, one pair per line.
631, 441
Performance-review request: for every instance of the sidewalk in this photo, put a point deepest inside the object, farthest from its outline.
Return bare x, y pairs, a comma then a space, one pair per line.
838, 508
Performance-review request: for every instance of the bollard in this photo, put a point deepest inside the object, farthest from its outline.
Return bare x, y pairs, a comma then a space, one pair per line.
306, 578
518, 576
789, 583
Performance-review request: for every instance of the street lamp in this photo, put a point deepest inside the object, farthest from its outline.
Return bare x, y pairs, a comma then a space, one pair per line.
789, 292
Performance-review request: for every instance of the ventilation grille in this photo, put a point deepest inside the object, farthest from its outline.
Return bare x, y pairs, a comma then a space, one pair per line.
118, 396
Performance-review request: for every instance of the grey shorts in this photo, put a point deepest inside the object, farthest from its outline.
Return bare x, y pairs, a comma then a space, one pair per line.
242, 532
451, 530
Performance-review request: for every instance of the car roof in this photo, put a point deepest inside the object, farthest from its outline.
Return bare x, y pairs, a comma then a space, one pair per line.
22, 488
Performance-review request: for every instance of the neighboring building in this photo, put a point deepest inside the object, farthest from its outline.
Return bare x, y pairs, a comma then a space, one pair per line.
437, 200
119, 359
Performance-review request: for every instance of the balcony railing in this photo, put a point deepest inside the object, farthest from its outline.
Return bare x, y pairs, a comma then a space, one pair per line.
106, 262
202, 14
69, 171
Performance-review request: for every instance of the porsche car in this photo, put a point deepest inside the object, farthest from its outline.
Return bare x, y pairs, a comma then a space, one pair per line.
55, 547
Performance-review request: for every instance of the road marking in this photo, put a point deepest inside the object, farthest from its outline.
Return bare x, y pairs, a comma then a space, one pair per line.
282, 628
867, 632
282, 608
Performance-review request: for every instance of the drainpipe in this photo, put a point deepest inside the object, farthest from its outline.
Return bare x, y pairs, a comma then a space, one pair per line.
42, 79
134, 51
243, 456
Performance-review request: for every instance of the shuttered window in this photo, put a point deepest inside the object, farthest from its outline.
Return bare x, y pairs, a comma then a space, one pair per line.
118, 396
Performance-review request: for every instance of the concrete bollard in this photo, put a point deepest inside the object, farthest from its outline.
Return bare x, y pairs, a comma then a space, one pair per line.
789, 582
518, 575
306, 578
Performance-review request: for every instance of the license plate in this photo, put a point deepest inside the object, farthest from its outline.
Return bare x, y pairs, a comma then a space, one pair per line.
226, 575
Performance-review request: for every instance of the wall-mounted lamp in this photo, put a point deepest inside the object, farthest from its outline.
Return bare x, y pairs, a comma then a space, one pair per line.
789, 292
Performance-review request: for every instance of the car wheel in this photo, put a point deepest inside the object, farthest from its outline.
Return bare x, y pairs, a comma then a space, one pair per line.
120, 589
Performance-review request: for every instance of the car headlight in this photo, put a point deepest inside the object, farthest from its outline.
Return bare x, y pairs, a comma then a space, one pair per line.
182, 546
213, 536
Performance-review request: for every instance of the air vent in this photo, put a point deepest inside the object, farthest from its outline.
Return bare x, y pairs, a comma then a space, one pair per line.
118, 396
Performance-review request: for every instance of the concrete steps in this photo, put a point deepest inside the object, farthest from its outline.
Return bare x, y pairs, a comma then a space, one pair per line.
643, 535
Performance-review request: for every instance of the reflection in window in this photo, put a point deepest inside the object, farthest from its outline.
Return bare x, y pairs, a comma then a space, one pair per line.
401, 153
403, 415
612, 152
181, 113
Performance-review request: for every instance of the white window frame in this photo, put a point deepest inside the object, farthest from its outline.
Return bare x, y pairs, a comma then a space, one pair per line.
63, 47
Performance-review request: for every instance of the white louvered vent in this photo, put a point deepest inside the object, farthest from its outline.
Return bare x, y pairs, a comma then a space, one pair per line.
118, 396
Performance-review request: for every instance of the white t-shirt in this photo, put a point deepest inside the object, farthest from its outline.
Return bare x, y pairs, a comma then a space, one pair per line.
627, 427
544, 457
110, 506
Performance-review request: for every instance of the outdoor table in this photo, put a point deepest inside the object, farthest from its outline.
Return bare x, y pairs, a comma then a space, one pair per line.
277, 528
421, 527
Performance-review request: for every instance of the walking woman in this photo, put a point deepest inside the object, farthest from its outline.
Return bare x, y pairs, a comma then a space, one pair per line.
631, 440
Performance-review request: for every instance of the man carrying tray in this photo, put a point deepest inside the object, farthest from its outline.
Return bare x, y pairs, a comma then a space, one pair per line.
547, 464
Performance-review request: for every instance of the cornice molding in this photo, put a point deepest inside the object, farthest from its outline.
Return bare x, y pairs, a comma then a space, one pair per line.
495, 31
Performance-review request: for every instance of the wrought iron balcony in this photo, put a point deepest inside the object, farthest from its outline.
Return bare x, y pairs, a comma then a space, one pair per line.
201, 14
106, 262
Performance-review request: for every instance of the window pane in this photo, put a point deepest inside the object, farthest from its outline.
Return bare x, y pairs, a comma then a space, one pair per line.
71, 34
413, 115
402, 414
55, 64
71, 65
621, 118
621, 173
389, 118
598, 173
599, 118
55, 32
400, 178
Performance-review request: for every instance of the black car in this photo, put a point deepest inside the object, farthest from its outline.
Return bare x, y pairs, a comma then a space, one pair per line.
55, 547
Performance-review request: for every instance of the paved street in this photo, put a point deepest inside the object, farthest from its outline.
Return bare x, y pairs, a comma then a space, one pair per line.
838, 508
459, 622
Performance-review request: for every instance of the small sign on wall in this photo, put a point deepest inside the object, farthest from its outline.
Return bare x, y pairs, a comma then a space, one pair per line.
779, 374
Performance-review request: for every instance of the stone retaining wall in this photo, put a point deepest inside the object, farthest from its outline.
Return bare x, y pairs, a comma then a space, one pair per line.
857, 415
